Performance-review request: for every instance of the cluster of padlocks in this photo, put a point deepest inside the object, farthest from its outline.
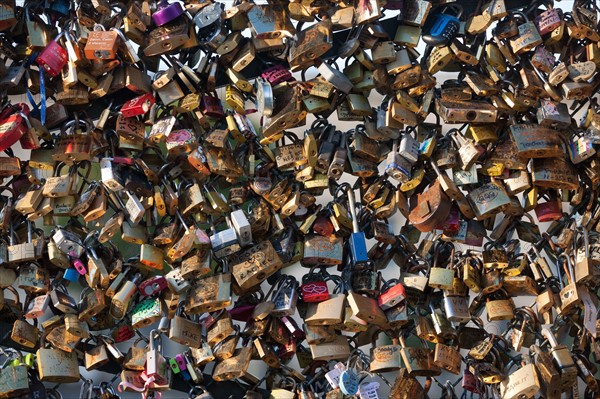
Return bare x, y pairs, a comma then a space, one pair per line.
187, 159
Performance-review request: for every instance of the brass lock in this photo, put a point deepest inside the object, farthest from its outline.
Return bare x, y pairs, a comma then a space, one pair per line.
208, 167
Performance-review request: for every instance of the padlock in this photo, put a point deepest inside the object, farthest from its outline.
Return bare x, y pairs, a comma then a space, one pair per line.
440, 277
14, 379
212, 293
443, 26
12, 128
500, 309
256, 264
250, 179
166, 12
53, 58
184, 331
562, 359
549, 377
167, 37
156, 365
57, 366
285, 297
430, 209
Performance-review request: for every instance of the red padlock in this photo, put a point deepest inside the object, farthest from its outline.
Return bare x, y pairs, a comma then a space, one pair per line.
138, 106
323, 226
315, 292
211, 106
152, 286
293, 328
19, 107
123, 333
451, 225
12, 128
314, 288
53, 58
550, 210
470, 383
393, 293
242, 312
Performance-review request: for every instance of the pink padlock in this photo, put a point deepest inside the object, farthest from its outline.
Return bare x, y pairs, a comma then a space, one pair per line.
53, 58
548, 20
79, 266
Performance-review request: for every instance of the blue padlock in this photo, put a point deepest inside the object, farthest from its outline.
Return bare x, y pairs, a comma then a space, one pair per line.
185, 375
349, 382
60, 6
358, 241
442, 27
71, 274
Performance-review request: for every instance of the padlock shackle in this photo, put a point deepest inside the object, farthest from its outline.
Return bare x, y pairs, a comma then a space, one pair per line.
586, 241
549, 336
352, 209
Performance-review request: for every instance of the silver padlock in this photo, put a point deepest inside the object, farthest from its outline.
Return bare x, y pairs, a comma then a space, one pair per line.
397, 167
176, 282
335, 77
135, 209
68, 243
457, 309
107, 175
242, 227
409, 148
208, 15
224, 242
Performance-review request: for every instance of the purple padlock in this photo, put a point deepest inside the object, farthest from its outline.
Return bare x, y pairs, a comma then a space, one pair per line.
276, 74
181, 362
166, 12
394, 5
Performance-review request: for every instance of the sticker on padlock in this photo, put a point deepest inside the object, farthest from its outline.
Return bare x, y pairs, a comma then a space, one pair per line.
333, 375
368, 390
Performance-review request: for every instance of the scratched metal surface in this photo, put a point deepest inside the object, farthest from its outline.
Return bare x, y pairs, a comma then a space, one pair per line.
257, 368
